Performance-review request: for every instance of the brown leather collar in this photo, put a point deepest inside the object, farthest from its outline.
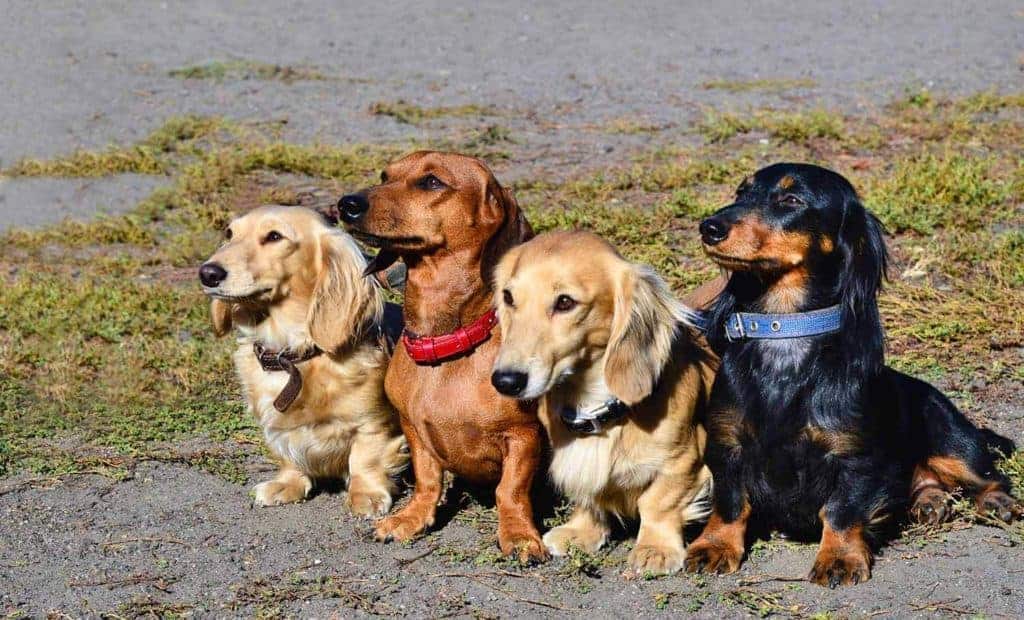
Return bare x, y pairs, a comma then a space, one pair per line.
284, 360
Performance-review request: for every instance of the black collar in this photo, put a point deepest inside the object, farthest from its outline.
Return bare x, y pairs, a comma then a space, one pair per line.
593, 421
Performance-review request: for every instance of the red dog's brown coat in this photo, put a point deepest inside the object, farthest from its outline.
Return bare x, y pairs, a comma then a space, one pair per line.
450, 221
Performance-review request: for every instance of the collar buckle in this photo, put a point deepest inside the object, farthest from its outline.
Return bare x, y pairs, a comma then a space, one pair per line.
596, 420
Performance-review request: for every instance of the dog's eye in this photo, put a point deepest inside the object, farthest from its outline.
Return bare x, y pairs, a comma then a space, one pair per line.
564, 303
272, 236
430, 182
383, 177
506, 296
228, 234
789, 200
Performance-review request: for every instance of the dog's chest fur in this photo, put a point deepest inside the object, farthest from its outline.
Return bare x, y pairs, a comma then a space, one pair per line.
455, 412
608, 470
315, 433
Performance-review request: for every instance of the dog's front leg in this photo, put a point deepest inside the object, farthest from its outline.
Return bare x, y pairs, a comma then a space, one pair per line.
418, 514
859, 498
720, 547
369, 488
663, 506
587, 529
290, 485
516, 531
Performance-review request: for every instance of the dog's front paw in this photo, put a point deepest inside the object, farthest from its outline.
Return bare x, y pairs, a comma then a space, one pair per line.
841, 566
558, 540
282, 491
931, 506
369, 503
1000, 505
706, 555
400, 527
522, 543
656, 560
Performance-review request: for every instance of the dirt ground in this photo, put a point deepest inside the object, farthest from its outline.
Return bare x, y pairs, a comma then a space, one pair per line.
166, 538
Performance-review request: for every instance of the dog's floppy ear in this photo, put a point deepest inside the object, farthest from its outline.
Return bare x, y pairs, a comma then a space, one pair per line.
220, 313
865, 262
644, 326
344, 302
501, 206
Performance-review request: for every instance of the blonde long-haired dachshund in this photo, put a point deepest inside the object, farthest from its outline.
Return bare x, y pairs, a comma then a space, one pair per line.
311, 357
605, 346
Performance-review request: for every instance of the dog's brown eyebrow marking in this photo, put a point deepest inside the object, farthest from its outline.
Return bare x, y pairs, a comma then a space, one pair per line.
786, 182
826, 245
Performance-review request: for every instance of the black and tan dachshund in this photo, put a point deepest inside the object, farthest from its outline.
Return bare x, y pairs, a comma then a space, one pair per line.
809, 432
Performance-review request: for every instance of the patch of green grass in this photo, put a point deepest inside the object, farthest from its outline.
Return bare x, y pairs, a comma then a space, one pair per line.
770, 85
181, 131
794, 127
152, 155
247, 70
990, 101
100, 352
720, 126
630, 125
267, 595
1013, 468
803, 126
117, 363
761, 604
136, 159
412, 114
926, 191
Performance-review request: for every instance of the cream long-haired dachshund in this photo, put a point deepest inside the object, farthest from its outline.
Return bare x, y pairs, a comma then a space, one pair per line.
620, 376
311, 354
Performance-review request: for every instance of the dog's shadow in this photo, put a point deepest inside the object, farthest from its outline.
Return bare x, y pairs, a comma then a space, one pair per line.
462, 495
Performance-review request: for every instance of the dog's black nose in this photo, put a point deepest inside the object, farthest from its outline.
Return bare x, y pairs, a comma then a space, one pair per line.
509, 382
212, 274
713, 231
352, 207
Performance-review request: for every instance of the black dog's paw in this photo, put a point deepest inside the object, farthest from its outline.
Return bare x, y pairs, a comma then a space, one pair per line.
839, 566
709, 556
1000, 505
931, 506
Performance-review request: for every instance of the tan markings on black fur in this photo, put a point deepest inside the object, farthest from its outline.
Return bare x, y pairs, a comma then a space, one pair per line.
724, 428
953, 472
719, 548
835, 442
784, 248
786, 182
751, 239
788, 292
826, 244
843, 557
993, 500
728, 534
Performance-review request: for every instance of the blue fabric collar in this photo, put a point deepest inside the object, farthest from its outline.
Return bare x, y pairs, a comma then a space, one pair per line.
753, 326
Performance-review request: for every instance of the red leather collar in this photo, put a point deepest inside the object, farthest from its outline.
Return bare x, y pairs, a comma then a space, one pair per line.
434, 349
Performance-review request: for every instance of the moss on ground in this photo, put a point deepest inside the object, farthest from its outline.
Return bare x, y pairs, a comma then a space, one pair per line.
104, 342
220, 70
769, 85
412, 114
